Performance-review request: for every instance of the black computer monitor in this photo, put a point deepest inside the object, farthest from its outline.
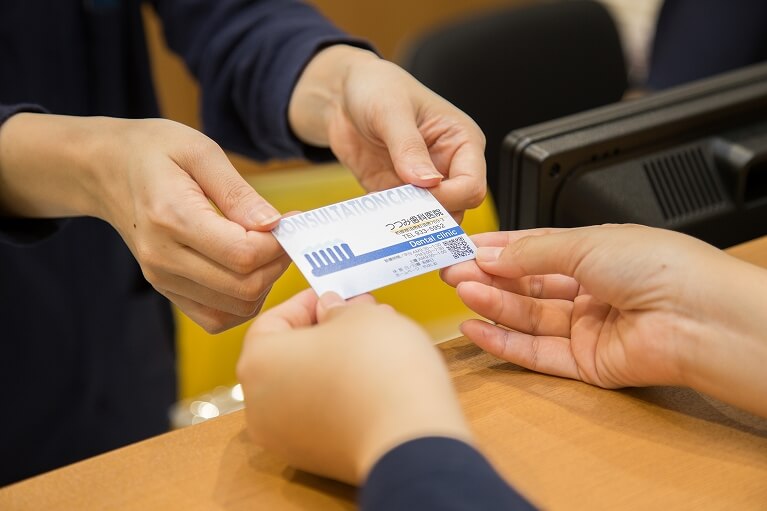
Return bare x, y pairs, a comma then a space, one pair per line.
691, 159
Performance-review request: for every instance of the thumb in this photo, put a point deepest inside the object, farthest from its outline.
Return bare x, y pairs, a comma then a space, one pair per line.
233, 196
328, 303
538, 254
408, 151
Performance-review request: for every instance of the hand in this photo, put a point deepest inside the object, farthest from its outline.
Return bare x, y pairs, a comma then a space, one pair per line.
619, 306
332, 386
154, 181
388, 128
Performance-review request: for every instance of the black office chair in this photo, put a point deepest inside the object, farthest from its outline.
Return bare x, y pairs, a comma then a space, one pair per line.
517, 66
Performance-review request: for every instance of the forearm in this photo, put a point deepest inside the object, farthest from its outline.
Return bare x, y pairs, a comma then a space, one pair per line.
247, 57
47, 165
729, 356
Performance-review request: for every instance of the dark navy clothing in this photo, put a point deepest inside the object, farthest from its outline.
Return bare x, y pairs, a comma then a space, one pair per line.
695, 39
86, 345
437, 473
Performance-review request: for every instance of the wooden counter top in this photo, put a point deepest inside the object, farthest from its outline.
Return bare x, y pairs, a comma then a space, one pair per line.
564, 444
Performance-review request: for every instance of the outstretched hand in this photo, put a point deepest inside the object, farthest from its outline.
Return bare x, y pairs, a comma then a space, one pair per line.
388, 128
364, 377
618, 305
161, 185
216, 267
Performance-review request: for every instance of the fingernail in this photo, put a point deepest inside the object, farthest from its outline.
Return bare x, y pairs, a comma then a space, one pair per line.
426, 173
330, 300
488, 254
263, 214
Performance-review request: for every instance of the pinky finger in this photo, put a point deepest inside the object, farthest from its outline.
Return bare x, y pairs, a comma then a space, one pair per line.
212, 320
544, 354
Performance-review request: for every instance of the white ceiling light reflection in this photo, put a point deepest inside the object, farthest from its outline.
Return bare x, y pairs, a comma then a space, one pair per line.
219, 401
204, 409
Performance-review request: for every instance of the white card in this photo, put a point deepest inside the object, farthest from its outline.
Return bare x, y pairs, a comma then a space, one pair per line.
361, 244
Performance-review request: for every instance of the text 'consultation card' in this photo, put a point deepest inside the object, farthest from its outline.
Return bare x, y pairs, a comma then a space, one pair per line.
362, 244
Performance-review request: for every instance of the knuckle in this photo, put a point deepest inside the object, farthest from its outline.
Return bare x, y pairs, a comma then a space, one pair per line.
213, 321
535, 346
251, 291
534, 316
236, 191
412, 146
162, 215
148, 259
201, 147
517, 248
246, 309
151, 276
205, 317
215, 325
536, 286
475, 194
242, 259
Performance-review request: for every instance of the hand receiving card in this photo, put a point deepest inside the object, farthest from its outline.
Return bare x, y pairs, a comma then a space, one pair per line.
361, 244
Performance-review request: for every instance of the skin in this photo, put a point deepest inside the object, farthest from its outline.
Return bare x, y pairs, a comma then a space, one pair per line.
331, 386
618, 306
612, 305
388, 128
161, 185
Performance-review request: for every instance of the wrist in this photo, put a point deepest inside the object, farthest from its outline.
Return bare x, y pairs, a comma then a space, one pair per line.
47, 165
320, 90
433, 418
727, 357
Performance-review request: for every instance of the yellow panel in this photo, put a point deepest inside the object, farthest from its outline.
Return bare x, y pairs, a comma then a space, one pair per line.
206, 361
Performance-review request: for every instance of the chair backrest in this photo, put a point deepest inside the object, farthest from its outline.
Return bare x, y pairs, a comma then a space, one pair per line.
517, 66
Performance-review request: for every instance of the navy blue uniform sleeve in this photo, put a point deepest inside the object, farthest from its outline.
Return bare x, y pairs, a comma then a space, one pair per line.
247, 57
22, 231
437, 473
695, 39
7, 111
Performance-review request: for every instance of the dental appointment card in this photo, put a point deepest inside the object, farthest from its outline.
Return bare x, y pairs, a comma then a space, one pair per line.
361, 244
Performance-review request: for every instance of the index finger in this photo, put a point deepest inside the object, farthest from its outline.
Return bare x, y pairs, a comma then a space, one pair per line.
466, 183
227, 242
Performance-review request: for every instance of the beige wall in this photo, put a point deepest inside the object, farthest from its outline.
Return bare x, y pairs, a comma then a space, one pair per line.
388, 25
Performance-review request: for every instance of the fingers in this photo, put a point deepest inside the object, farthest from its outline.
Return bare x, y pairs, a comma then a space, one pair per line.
466, 183
178, 211
471, 270
213, 320
522, 313
220, 181
539, 253
545, 354
536, 286
296, 312
222, 240
234, 294
331, 303
184, 266
407, 148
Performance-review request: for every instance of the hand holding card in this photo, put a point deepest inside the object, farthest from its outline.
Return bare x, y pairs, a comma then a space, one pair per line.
362, 244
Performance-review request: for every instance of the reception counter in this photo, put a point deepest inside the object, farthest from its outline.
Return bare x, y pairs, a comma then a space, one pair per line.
562, 443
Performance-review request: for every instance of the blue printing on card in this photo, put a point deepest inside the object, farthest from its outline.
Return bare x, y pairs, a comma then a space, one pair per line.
336, 258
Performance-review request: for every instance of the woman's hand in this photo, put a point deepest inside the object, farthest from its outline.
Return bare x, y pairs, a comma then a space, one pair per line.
388, 128
331, 386
620, 305
158, 183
